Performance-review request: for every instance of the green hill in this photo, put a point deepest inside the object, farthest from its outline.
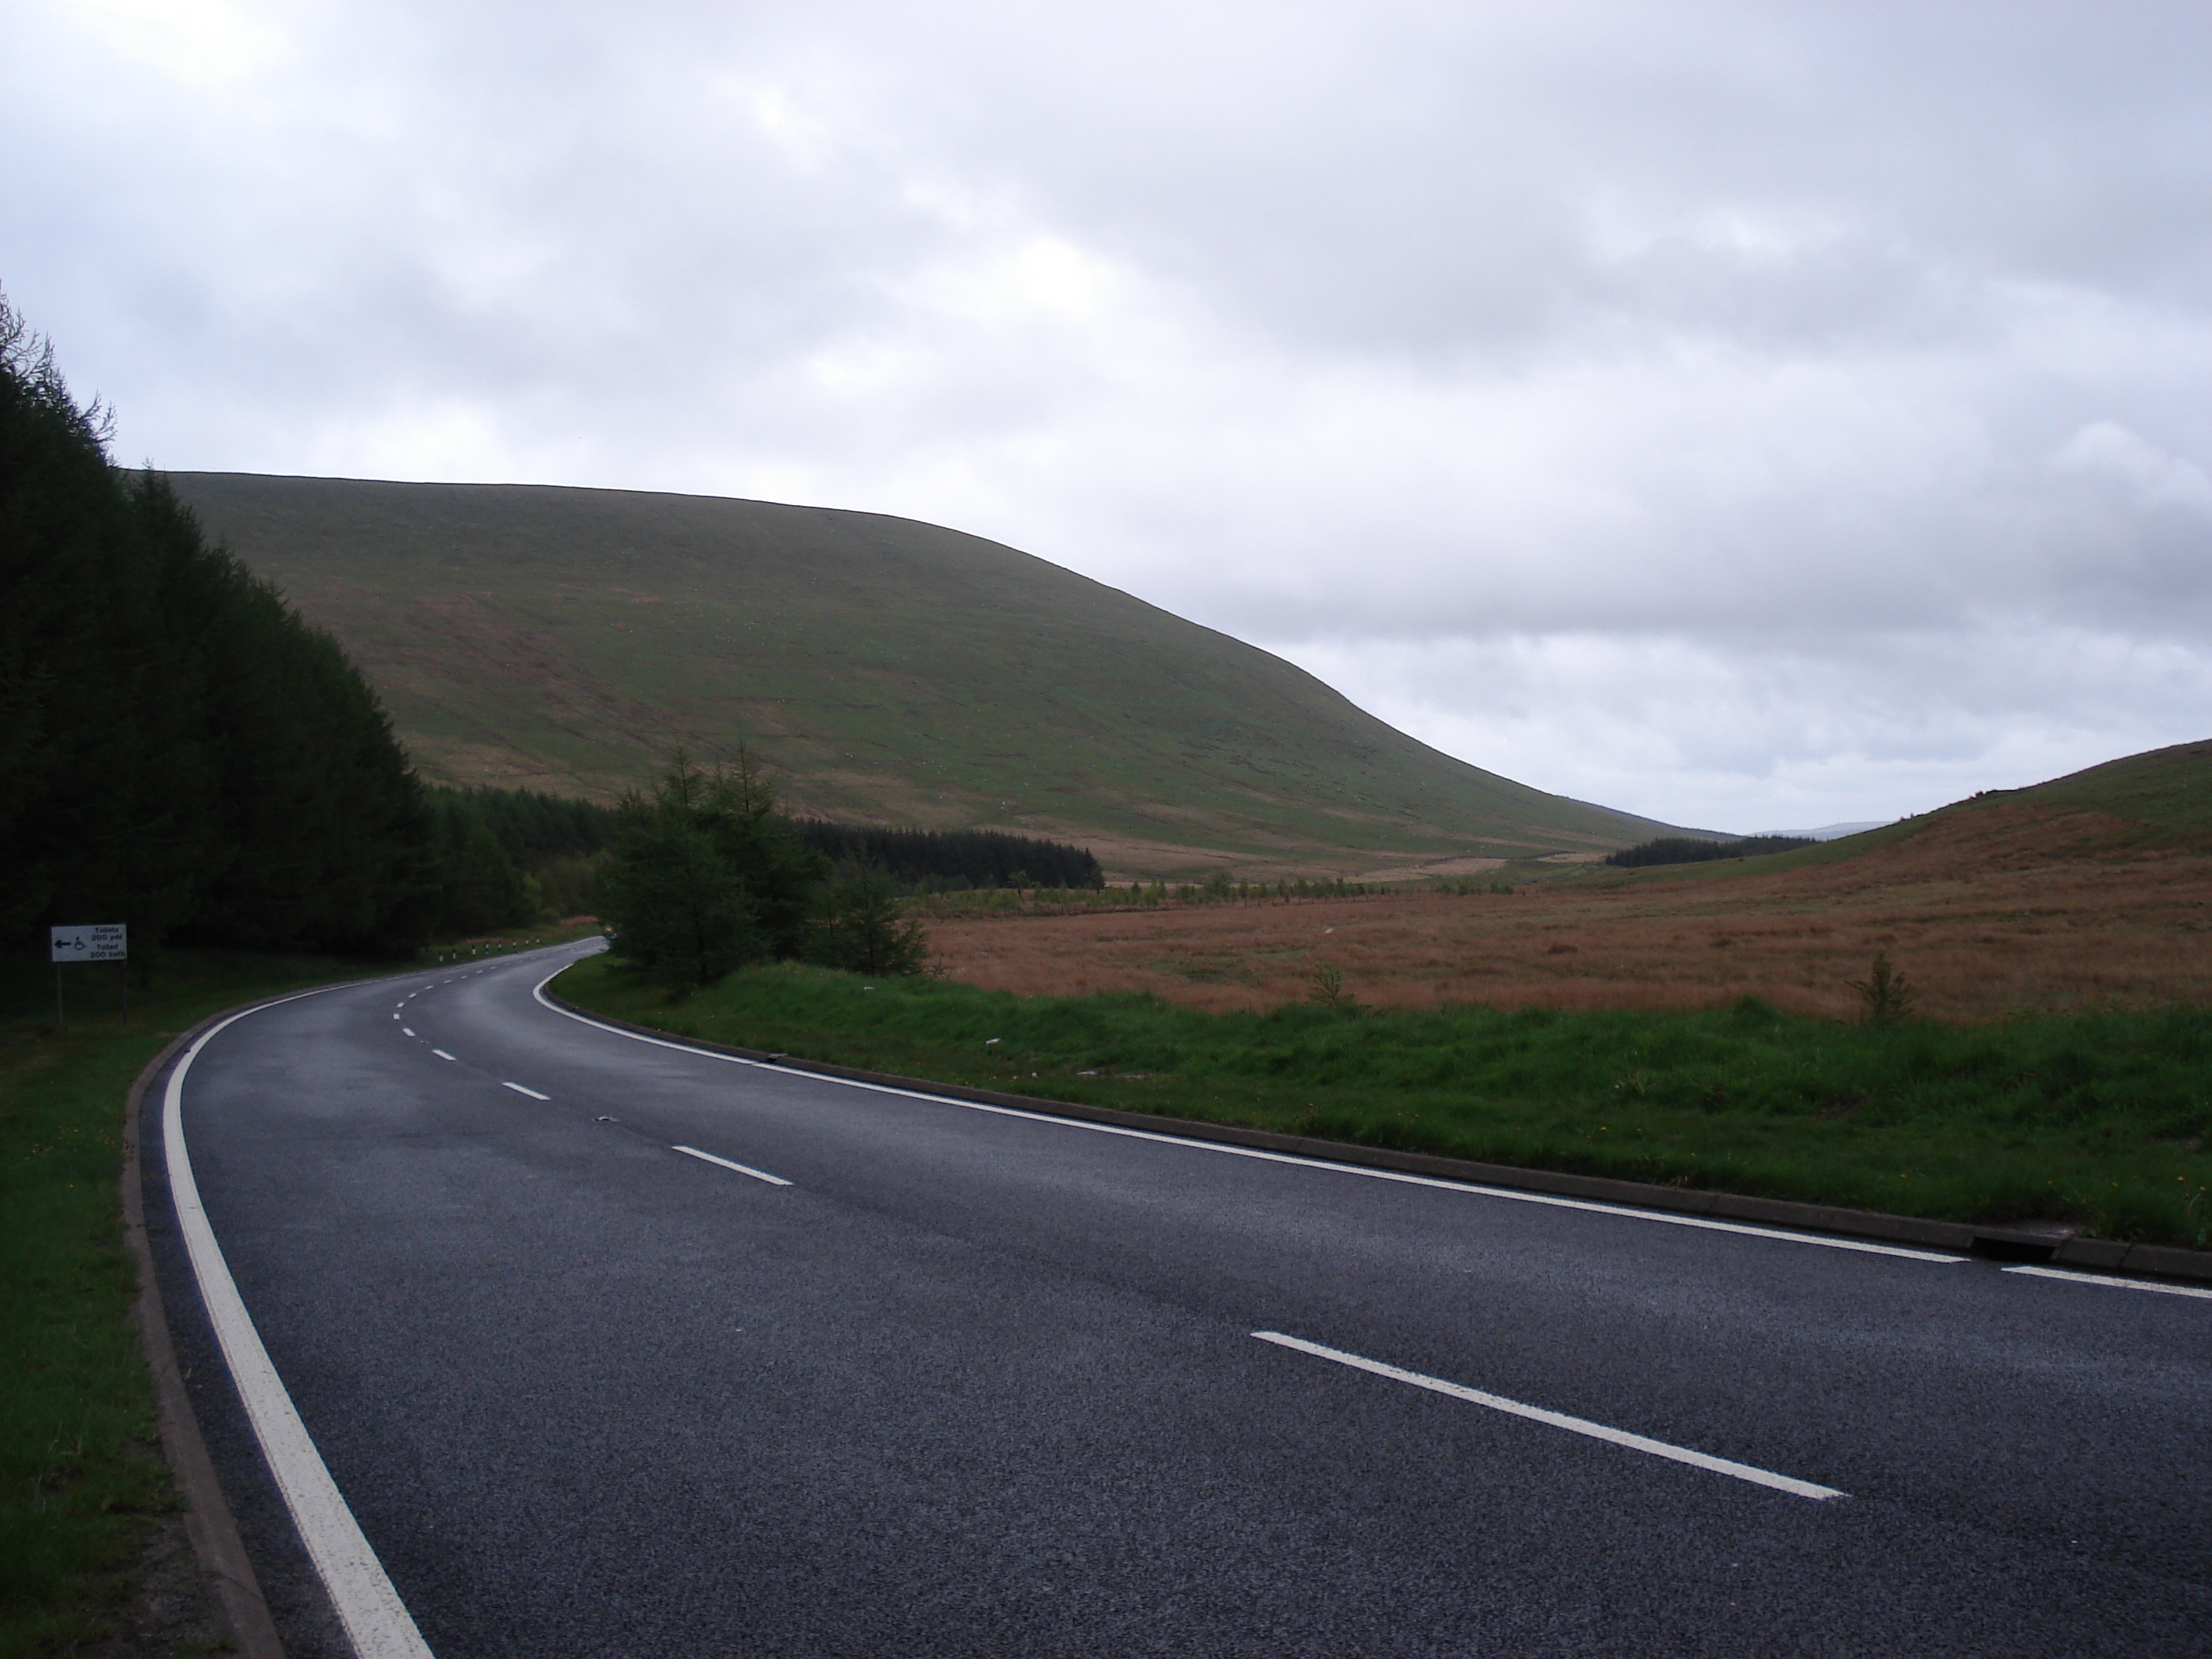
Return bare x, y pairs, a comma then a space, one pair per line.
886, 670
2168, 791
2155, 803
2158, 799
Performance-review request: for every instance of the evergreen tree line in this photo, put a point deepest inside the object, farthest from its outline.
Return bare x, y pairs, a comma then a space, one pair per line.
548, 842
953, 860
540, 832
179, 750
534, 827
1690, 849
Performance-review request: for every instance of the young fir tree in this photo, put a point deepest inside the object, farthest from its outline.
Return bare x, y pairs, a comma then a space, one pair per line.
865, 932
704, 876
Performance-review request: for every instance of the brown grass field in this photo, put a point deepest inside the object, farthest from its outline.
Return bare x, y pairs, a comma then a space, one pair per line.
2016, 909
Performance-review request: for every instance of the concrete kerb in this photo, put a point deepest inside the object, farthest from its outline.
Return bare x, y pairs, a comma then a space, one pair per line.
2027, 1243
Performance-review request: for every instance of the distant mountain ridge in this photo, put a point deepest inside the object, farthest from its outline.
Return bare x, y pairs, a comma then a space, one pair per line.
1828, 831
886, 670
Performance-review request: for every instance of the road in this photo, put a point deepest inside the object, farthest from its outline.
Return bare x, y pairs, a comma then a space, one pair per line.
977, 1383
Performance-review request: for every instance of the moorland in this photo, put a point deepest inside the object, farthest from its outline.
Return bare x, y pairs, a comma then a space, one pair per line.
1995, 908
885, 672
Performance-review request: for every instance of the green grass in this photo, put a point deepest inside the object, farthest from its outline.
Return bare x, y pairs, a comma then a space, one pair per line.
2098, 1119
890, 670
2169, 790
81, 1472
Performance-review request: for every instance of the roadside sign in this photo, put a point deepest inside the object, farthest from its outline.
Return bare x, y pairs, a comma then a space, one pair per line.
100, 942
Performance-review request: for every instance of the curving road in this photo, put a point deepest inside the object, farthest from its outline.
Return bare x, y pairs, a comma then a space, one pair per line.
867, 1373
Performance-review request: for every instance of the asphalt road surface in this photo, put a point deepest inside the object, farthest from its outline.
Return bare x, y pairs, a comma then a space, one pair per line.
976, 1382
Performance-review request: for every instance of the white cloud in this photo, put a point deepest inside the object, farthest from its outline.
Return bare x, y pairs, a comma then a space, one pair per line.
2156, 478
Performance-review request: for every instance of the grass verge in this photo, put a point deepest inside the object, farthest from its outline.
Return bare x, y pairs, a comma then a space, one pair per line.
2098, 1119
81, 1479
83, 1482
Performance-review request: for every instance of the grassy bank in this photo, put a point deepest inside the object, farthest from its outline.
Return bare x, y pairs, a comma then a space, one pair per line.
82, 1478
2099, 1120
82, 1485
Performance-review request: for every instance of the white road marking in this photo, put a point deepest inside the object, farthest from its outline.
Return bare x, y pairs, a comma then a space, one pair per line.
757, 1175
395, 1015
442, 1054
520, 1090
376, 1621
2071, 1277
1667, 1216
407, 1030
1560, 1420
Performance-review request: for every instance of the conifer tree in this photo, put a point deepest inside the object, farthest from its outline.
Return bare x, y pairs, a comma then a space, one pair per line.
705, 875
865, 932
179, 750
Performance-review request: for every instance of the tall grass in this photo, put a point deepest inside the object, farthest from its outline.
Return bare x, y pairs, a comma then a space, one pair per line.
2099, 1120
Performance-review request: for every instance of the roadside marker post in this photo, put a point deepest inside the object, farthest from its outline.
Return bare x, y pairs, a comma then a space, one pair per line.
108, 941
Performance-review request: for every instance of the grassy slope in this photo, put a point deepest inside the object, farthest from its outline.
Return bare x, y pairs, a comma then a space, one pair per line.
2168, 791
890, 670
80, 1477
2139, 803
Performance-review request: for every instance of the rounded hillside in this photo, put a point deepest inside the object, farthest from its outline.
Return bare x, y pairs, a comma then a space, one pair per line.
886, 670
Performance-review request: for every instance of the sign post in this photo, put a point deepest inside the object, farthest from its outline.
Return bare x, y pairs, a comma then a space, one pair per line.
108, 941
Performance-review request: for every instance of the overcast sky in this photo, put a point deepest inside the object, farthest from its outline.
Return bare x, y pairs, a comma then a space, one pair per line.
1751, 416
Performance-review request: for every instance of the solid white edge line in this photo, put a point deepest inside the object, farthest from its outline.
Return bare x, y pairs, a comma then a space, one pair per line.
757, 1175
520, 1090
442, 1054
1757, 1477
1667, 1216
2070, 1276
376, 1621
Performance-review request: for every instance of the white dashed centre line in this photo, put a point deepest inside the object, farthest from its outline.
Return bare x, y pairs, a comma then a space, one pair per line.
1560, 1420
2067, 1277
442, 1054
520, 1090
407, 1030
757, 1175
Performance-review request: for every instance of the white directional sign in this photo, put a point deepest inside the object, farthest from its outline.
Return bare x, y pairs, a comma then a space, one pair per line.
100, 942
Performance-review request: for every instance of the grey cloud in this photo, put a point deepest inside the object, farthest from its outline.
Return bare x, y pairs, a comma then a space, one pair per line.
1841, 361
